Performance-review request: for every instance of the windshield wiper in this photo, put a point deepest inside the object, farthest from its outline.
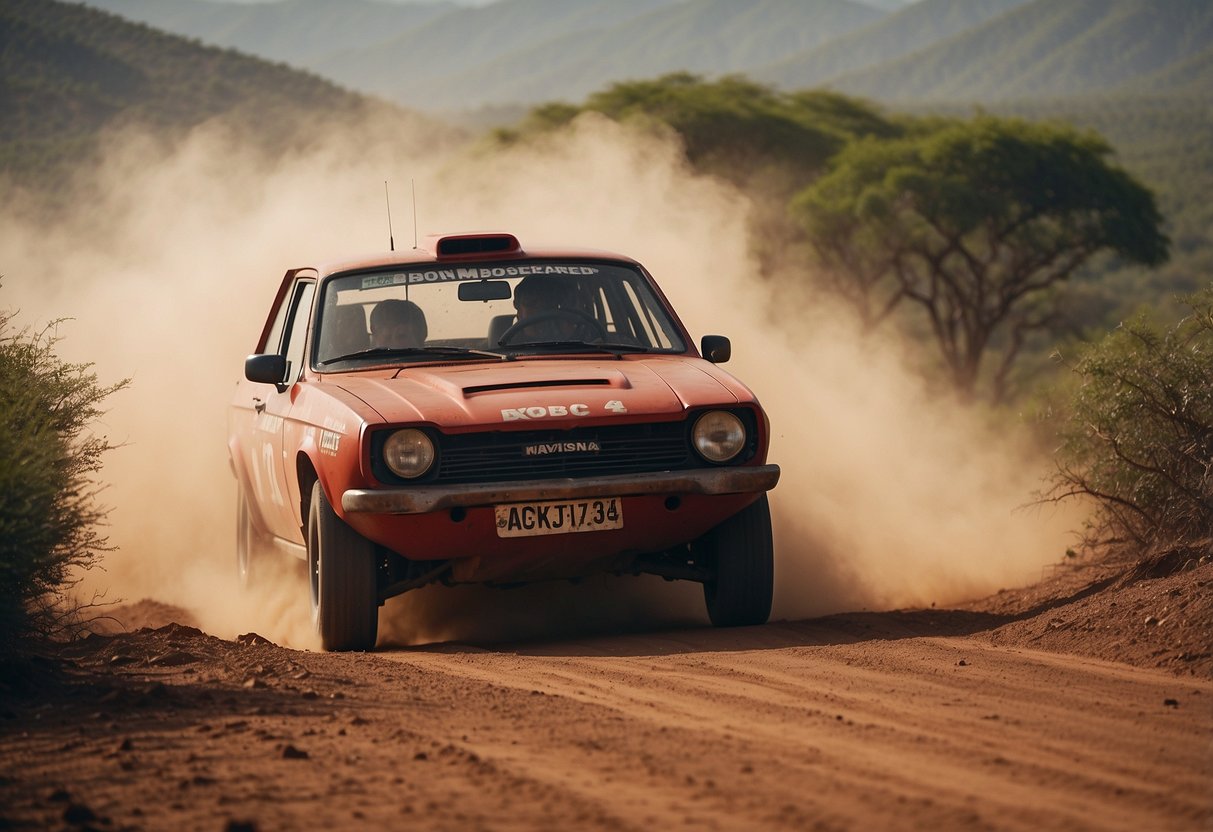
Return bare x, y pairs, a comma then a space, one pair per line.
582, 346
405, 352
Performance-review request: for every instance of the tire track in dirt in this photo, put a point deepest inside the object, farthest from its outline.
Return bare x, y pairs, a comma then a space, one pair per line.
953, 726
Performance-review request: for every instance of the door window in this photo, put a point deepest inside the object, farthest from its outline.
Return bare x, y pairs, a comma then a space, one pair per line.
296, 328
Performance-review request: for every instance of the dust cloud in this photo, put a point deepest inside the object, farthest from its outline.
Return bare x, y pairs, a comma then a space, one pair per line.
890, 496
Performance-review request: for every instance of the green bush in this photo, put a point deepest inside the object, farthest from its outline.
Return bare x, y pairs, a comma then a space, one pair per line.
49, 515
1138, 435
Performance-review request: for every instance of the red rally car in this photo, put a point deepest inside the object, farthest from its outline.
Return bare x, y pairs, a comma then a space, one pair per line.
473, 412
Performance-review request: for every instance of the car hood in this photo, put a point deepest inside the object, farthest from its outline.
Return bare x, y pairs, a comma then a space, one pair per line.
528, 392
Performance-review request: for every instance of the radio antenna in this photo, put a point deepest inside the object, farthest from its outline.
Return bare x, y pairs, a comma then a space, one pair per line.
391, 241
413, 184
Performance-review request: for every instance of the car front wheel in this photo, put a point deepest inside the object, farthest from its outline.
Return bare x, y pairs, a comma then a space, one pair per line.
341, 564
740, 554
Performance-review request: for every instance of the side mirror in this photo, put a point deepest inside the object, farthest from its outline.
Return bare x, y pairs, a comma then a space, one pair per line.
716, 348
265, 369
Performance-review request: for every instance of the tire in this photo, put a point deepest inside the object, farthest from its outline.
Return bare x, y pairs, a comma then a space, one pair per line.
342, 572
740, 553
251, 546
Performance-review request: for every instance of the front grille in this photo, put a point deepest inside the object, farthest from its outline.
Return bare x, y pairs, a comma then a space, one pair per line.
502, 456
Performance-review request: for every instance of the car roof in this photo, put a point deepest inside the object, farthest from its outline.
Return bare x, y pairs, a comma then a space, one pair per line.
463, 248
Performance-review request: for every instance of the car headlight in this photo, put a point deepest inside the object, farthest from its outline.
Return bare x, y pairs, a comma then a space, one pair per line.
409, 453
718, 436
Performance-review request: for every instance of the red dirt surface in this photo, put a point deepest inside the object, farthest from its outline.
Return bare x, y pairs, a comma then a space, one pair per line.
1085, 702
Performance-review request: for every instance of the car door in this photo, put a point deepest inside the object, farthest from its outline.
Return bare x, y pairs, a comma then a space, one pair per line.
270, 463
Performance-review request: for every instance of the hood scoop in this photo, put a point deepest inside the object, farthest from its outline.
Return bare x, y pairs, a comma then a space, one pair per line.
527, 385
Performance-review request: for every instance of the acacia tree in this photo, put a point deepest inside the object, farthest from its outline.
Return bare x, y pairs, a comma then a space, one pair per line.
730, 126
977, 224
768, 143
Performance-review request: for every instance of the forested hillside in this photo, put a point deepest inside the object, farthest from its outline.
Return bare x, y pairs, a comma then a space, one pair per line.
1191, 77
1046, 49
414, 65
560, 50
448, 59
451, 59
295, 31
68, 72
914, 28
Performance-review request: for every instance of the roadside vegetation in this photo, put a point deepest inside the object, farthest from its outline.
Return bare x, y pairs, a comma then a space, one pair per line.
1137, 434
50, 518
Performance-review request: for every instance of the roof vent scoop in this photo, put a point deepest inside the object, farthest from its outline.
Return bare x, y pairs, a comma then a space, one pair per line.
464, 245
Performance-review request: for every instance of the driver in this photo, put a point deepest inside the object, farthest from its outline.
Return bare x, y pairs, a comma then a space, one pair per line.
537, 294
543, 296
398, 323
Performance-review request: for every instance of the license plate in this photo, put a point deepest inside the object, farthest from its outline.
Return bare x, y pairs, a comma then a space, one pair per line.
562, 517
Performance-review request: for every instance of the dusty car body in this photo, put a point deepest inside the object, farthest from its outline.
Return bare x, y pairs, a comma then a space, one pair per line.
494, 442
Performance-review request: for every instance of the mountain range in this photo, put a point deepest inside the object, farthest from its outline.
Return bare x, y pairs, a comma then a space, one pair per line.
447, 58
68, 73
1047, 49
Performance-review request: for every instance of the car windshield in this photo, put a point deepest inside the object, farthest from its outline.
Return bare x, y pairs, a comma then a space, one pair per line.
489, 311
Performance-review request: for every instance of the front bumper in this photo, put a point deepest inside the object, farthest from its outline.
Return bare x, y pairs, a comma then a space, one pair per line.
427, 498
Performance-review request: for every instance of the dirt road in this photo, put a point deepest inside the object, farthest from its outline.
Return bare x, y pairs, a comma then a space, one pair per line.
894, 720
795, 727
